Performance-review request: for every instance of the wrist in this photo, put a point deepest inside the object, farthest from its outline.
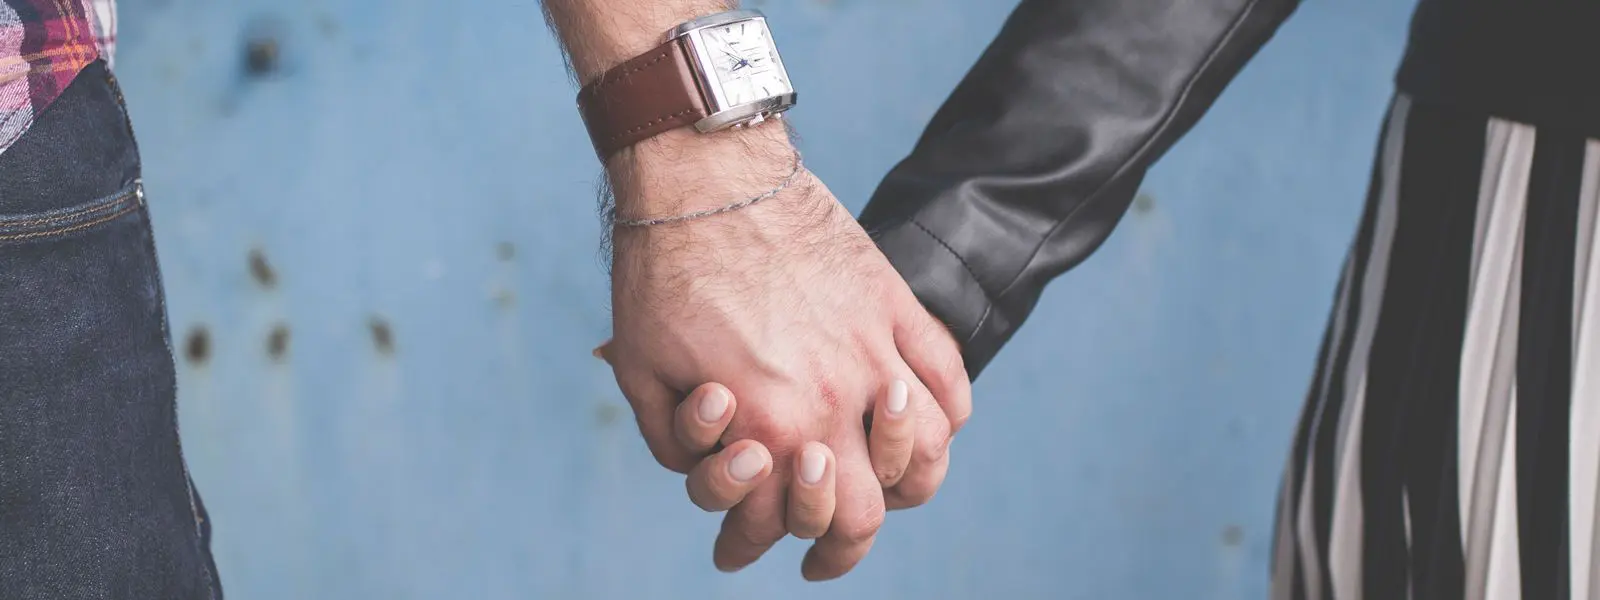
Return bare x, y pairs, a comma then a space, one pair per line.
683, 171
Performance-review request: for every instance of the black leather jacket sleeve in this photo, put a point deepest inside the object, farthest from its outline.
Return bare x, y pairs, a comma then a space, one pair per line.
1033, 159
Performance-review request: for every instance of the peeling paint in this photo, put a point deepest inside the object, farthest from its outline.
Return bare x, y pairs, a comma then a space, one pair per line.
261, 270
278, 342
197, 346
382, 335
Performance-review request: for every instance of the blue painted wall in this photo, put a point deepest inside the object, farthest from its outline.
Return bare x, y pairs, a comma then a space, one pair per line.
385, 282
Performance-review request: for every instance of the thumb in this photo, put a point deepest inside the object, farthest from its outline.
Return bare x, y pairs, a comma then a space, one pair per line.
603, 352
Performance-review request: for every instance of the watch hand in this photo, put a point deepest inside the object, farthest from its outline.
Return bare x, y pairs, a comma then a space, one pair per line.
740, 61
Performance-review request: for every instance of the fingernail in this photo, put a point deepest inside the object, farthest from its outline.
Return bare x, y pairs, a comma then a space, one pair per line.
714, 405
899, 395
747, 465
812, 464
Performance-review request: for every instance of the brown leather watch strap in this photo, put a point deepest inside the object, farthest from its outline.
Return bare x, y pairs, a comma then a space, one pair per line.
652, 93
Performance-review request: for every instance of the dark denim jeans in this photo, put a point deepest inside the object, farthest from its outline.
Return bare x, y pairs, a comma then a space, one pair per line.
95, 499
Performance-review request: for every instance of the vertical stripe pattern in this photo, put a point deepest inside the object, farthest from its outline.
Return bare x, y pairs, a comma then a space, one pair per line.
1487, 359
1583, 464
1450, 443
1544, 364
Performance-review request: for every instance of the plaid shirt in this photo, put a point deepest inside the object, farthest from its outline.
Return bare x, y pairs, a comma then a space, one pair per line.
43, 45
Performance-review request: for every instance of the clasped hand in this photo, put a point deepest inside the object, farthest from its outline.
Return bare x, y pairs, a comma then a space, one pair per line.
776, 357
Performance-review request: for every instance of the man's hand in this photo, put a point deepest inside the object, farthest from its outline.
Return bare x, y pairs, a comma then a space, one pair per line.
790, 306
723, 478
787, 303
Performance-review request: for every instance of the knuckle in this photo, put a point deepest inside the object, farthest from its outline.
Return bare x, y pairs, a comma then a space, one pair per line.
959, 421
695, 443
934, 440
808, 522
892, 465
960, 408
808, 510
766, 429
932, 451
687, 435
756, 536
861, 528
913, 495
710, 489
919, 490
695, 437
896, 443
830, 395
889, 474
671, 459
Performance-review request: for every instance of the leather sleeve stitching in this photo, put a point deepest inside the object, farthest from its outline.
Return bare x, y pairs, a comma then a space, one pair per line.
990, 301
952, 252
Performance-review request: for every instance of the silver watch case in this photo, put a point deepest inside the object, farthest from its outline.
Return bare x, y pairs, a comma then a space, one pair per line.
723, 115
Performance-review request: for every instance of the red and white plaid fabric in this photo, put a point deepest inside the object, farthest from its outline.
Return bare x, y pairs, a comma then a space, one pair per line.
43, 45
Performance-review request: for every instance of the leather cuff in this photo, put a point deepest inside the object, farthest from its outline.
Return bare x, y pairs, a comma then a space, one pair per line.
948, 289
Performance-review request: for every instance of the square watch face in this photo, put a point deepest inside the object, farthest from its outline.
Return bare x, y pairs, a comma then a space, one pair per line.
741, 63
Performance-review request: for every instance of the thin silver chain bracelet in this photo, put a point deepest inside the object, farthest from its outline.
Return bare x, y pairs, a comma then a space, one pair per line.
799, 165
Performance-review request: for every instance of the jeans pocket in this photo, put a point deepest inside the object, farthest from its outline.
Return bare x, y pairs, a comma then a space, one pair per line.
67, 221
92, 480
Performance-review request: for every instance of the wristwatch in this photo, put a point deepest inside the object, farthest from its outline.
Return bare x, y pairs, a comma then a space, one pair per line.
715, 72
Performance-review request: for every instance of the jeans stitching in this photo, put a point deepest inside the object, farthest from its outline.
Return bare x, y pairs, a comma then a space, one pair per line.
62, 231
18, 222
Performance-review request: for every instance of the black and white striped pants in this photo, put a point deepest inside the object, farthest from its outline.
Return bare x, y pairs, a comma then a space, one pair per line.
1450, 445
